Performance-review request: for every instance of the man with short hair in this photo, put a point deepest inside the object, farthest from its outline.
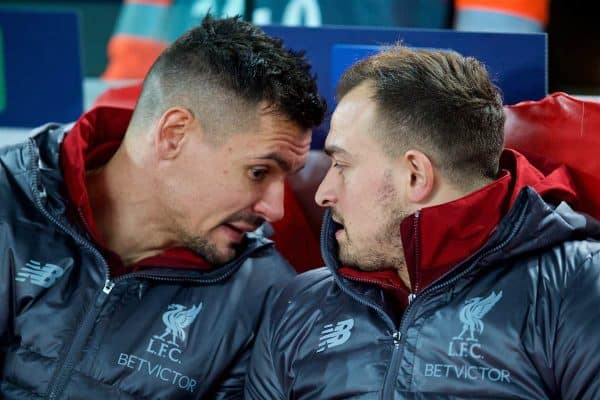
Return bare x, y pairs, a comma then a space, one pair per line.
132, 263
453, 269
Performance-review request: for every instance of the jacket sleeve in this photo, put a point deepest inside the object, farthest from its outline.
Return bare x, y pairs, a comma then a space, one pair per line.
577, 351
6, 282
263, 380
232, 387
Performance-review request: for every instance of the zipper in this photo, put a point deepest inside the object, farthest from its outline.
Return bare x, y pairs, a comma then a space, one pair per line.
417, 237
64, 374
390, 377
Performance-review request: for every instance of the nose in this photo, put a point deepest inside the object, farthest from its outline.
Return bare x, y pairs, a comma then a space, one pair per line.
270, 205
325, 195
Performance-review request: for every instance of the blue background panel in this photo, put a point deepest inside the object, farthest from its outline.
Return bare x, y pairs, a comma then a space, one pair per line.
42, 67
517, 62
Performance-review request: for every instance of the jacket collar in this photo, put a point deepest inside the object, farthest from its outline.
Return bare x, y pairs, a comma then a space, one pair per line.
436, 239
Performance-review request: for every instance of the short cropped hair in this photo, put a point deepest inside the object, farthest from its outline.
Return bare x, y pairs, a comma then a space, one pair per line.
439, 102
225, 66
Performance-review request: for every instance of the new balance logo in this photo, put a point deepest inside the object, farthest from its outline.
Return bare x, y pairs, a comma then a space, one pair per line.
332, 336
43, 275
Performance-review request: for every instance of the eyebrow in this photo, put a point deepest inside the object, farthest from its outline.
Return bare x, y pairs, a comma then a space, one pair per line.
333, 149
283, 164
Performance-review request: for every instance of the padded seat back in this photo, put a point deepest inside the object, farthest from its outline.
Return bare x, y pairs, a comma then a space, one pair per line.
560, 129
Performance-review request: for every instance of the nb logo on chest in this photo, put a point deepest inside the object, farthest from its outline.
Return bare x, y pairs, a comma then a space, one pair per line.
39, 274
332, 336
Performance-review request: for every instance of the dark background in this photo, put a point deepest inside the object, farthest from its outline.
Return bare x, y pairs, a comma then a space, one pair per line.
573, 36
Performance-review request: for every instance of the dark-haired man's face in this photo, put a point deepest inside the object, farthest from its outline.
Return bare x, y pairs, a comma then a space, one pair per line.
222, 191
363, 187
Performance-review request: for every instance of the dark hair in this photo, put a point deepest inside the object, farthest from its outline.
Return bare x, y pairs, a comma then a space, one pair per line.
231, 62
437, 101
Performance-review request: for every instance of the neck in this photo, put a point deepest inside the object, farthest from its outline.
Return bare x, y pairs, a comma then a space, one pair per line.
122, 207
444, 193
402, 272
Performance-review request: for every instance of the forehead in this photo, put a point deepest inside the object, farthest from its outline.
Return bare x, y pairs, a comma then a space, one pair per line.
273, 138
353, 122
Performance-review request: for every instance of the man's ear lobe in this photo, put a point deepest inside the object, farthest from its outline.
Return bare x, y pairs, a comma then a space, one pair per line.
421, 183
173, 127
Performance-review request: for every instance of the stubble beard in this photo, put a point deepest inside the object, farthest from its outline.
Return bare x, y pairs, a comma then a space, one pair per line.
384, 251
207, 249
211, 253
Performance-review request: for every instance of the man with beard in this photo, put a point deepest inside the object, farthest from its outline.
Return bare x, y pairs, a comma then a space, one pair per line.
131, 262
453, 269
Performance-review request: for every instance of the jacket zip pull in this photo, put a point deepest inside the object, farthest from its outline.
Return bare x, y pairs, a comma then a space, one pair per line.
411, 297
108, 287
396, 336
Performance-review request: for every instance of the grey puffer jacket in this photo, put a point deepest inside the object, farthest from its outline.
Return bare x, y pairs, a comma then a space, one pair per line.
69, 331
519, 319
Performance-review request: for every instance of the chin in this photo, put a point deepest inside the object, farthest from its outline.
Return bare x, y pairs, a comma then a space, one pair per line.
221, 257
355, 261
224, 253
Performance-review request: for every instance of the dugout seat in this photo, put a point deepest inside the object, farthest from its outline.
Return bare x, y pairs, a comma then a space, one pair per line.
560, 129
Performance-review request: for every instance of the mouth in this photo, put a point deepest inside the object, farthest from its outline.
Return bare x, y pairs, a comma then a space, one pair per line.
237, 231
338, 227
235, 234
243, 227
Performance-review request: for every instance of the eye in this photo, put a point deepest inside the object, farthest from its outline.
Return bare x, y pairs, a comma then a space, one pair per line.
338, 166
257, 173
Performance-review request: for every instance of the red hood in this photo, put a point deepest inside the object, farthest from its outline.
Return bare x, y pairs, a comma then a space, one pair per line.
432, 248
91, 143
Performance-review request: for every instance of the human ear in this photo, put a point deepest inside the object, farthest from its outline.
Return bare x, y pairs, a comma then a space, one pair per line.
173, 127
421, 183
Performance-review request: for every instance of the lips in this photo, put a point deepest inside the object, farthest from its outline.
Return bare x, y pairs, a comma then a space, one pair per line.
237, 230
236, 235
242, 228
339, 227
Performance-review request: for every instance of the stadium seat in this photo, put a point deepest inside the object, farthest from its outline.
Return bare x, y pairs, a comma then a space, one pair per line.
560, 129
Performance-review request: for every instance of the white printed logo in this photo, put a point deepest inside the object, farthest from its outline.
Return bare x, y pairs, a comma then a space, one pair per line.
334, 336
177, 319
471, 316
466, 345
472, 313
38, 274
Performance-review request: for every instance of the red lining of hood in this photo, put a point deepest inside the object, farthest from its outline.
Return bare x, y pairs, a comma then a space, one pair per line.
444, 235
92, 141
